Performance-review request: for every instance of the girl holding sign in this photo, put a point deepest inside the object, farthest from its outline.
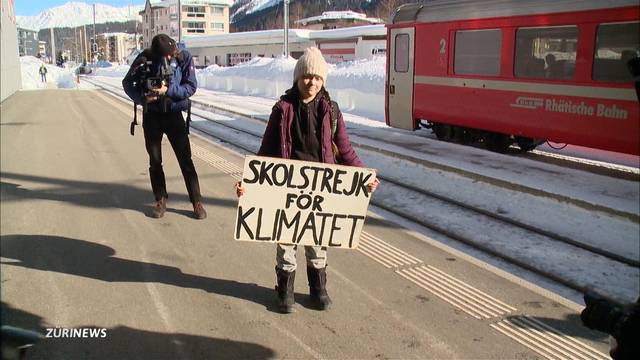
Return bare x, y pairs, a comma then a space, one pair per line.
306, 125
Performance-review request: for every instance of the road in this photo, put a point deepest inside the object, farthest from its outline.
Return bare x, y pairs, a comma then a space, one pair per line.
79, 252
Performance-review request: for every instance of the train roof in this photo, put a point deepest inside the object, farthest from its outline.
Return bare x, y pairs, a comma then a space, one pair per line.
448, 10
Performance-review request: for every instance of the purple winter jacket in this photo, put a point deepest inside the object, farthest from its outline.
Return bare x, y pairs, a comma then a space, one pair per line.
276, 141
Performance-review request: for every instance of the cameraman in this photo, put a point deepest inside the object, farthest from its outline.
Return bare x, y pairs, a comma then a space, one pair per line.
622, 322
163, 103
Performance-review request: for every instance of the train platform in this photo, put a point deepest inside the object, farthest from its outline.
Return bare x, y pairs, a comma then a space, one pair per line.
78, 251
579, 216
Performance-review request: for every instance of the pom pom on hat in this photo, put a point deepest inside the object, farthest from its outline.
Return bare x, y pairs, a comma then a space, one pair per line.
311, 63
163, 45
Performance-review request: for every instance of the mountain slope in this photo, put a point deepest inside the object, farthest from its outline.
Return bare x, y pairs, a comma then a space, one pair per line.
74, 14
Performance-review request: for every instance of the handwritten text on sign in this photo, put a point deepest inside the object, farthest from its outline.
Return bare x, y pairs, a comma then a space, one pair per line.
300, 202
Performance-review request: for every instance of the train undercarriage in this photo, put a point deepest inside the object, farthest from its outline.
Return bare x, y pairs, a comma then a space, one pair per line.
493, 141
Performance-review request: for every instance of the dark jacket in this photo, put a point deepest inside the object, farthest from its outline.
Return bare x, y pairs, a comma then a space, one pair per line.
182, 86
277, 142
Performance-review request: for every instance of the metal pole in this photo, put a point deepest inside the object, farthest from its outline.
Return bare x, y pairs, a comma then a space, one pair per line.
135, 26
179, 21
86, 44
76, 50
286, 28
53, 46
94, 46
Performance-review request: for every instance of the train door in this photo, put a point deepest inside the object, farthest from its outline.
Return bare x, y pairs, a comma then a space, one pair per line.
400, 78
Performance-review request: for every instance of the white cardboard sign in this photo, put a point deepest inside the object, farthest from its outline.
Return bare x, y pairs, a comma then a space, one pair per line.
303, 203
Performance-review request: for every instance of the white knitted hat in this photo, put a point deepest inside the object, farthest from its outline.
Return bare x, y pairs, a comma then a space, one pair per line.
311, 63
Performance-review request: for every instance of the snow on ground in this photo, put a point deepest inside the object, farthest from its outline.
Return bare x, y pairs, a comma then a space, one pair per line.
358, 86
56, 77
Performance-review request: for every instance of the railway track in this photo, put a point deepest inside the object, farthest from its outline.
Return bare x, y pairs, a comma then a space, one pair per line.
423, 195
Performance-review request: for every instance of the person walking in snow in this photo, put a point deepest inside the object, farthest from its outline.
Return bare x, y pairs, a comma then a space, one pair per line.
303, 116
163, 115
43, 73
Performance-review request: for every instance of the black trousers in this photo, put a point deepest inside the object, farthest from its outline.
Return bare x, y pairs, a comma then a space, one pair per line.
171, 123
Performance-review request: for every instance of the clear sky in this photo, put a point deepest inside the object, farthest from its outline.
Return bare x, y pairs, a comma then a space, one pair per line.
34, 7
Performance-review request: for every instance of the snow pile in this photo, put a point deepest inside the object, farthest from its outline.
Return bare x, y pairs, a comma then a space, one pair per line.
114, 70
264, 77
357, 86
59, 77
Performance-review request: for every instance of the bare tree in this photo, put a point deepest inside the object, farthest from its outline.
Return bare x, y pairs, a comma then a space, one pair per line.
386, 8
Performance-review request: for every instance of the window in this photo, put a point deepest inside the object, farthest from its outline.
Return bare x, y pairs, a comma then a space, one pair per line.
194, 9
217, 26
401, 58
546, 53
216, 10
477, 52
193, 24
616, 45
237, 58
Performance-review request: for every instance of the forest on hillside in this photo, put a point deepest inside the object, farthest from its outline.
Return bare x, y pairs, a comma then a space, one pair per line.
272, 18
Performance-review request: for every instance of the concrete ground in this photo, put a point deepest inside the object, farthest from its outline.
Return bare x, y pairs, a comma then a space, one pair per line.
78, 251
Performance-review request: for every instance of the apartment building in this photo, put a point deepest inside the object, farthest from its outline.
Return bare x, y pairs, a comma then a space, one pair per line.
178, 18
116, 47
42, 48
27, 42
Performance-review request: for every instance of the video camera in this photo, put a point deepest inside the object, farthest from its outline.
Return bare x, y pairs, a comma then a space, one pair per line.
148, 82
622, 322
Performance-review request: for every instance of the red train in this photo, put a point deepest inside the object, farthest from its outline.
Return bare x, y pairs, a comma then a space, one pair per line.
523, 71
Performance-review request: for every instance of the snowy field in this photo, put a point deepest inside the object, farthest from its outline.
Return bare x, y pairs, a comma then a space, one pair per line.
61, 78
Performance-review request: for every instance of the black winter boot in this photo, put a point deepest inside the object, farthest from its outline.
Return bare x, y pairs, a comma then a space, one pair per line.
318, 287
286, 300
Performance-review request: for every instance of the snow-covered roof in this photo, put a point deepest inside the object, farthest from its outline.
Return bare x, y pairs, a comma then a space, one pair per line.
19, 28
247, 38
115, 34
339, 15
165, 3
207, 2
349, 32
276, 36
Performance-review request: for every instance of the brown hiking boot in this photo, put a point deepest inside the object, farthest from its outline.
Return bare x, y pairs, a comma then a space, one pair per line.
198, 211
159, 209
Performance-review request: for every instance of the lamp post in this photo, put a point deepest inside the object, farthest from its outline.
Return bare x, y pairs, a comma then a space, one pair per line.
286, 28
94, 46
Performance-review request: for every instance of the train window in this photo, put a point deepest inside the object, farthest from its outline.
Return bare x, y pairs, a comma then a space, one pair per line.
401, 58
546, 52
477, 52
616, 45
